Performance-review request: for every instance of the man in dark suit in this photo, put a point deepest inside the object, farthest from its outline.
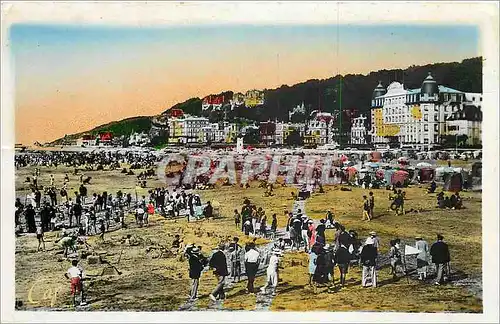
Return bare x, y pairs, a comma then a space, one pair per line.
440, 257
219, 263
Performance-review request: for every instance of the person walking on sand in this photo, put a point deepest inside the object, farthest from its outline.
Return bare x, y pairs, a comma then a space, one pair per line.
304, 230
235, 250
247, 227
39, 236
313, 257
368, 261
218, 262
441, 258
320, 231
252, 260
197, 262
274, 226
371, 199
400, 203
422, 257
237, 218
366, 209
102, 228
29, 215
272, 272
342, 259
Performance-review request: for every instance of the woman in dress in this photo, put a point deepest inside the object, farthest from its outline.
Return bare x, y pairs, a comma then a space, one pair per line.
422, 257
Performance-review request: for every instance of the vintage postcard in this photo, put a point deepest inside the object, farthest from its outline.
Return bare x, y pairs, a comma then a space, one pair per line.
244, 162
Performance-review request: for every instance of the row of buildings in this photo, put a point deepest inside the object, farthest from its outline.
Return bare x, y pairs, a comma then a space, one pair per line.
421, 118
319, 129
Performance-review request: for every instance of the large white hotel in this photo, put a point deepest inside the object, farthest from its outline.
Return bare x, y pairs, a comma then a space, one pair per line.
419, 117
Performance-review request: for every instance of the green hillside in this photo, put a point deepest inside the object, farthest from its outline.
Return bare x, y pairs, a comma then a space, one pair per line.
118, 128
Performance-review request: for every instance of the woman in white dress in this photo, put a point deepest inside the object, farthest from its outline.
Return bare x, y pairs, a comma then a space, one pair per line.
422, 257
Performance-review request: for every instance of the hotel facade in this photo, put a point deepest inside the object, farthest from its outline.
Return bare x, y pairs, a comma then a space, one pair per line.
418, 118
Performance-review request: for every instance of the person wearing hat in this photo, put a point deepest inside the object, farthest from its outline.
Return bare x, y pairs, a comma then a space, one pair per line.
441, 258
235, 256
330, 264
218, 262
368, 261
376, 240
272, 272
371, 199
321, 273
320, 231
197, 263
247, 227
313, 257
188, 249
422, 257
295, 232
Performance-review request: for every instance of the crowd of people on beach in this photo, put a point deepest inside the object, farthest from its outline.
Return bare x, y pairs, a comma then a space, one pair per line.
49, 207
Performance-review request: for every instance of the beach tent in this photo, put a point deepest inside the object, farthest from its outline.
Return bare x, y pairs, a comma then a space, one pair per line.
426, 174
388, 175
399, 176
441, 171
351, 172
453, 182
375, 156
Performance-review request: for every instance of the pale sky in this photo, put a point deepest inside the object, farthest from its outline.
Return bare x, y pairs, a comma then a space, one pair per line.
71, 78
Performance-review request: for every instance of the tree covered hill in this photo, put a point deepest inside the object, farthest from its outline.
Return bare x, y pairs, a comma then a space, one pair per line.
354, 92
118, 128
